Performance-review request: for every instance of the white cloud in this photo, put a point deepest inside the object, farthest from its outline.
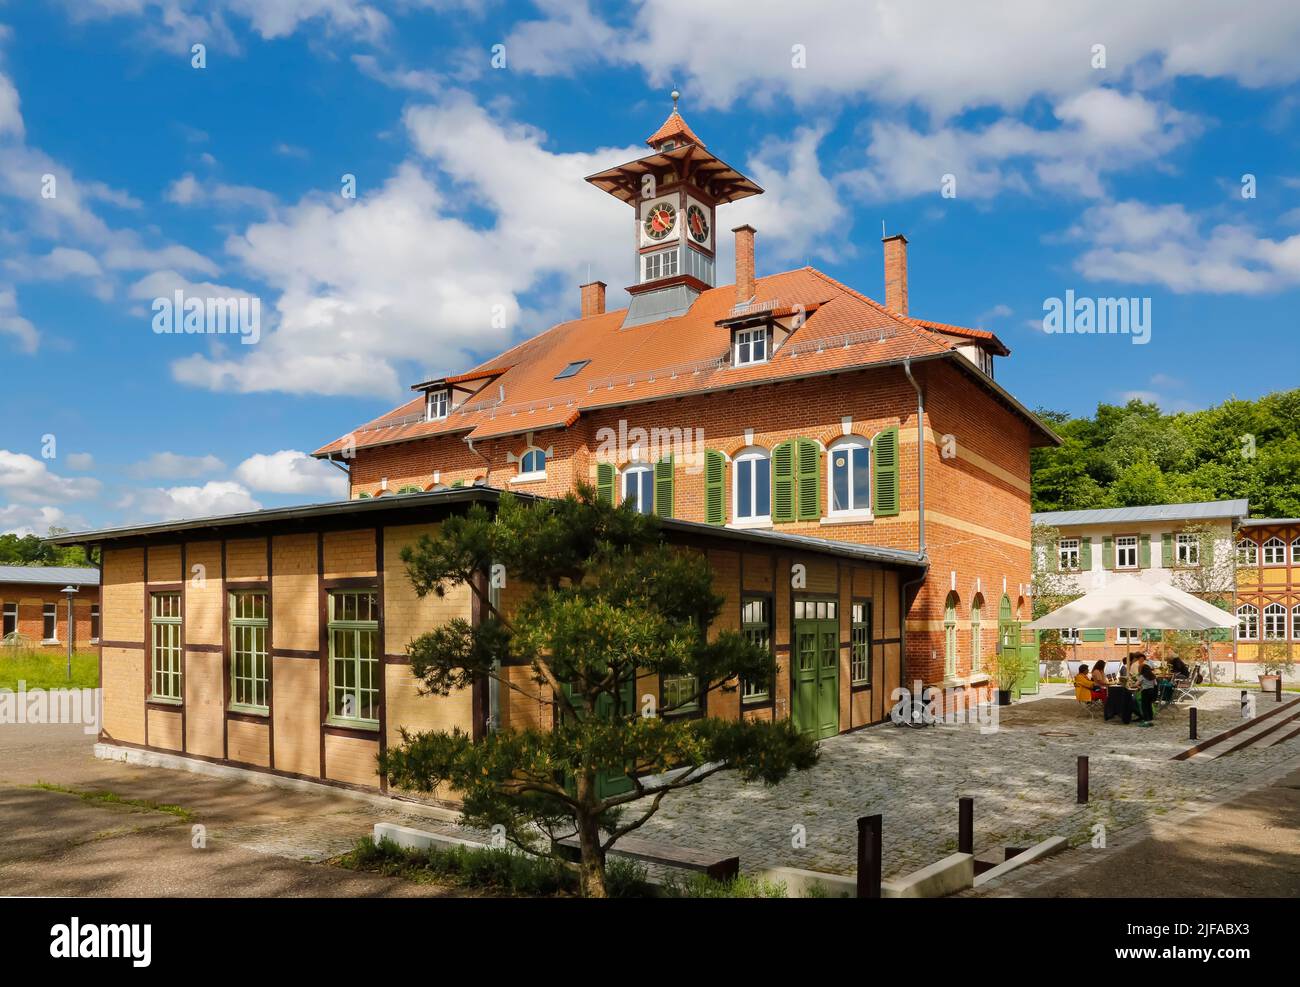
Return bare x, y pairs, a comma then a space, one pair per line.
1135, 243
175, 466
190, 191
174, 503
291, 472
13, 324
28, 480
23, 520
11, 117
81, 461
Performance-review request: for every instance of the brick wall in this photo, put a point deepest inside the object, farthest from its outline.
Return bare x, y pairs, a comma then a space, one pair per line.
31, 601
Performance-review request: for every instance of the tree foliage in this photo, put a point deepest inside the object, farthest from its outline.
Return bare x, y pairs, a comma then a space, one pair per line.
30, 550
608, 603
1132, 454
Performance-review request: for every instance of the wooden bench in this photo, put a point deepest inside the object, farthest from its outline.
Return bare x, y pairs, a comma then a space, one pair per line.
718, 868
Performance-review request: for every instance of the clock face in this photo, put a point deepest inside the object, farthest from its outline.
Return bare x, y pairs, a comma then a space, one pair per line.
698, 223
660, 220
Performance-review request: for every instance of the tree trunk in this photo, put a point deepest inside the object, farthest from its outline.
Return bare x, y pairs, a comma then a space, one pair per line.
592, 872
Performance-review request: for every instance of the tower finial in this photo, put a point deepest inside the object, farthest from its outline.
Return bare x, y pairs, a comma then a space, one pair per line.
676, 96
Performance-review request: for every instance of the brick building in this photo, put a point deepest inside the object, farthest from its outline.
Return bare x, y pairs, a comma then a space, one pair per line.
789, 402
34, 608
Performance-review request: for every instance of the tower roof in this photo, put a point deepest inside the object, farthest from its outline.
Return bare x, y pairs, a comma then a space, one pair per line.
676, 129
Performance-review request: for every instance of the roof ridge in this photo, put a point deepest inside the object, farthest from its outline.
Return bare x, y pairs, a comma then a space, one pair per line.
916, 326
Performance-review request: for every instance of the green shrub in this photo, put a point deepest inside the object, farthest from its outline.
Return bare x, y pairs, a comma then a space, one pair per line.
703, 886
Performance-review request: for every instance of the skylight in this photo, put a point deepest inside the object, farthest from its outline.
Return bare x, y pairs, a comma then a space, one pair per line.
572, 369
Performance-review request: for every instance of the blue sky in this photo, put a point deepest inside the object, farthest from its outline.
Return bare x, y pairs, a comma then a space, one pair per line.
1117, 179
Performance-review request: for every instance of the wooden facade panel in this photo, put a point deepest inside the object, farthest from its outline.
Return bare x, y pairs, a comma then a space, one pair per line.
528, 706
165, 564
862, 708
295, 707
406, 615
246, 558
249, 743
295, 601
165, 728
349, 553
890, 604
352, 759
203, 596
405, 707
204, 704
122, 595
758, 572
892, 673
123, 692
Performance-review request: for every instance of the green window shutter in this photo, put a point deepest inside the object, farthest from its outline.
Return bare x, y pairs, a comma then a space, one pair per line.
1152, 634
664, 487
1108, 552
605, 483
1085, 554
808, 476
884, 468
783, 483
1094, 634
1144, 552
715, 487
1167, 550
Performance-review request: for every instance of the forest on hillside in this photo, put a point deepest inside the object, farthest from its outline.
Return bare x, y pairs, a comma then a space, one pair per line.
1132, 454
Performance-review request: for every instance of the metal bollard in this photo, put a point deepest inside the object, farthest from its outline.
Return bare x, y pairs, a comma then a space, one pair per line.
1191, 723
1083, 779
966, 825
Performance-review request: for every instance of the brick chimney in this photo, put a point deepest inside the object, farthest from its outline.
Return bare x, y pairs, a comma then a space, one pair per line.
593, 298
744, 263
896, 273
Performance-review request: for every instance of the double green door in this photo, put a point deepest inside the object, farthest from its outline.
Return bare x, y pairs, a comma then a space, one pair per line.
612, 781
816, 687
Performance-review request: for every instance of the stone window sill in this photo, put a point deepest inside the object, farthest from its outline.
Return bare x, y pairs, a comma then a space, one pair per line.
848, 517
527, 478
762, 524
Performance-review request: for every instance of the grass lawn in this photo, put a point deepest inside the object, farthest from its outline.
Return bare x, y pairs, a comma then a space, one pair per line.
48, 670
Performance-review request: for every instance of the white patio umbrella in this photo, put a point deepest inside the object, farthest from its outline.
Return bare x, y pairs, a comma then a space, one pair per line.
1129, 602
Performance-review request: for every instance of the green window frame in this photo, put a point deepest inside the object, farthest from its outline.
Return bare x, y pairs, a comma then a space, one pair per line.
165, 647
976, 635
353, 631
756, 626
249, 681
860, 642
677, 689
950, 637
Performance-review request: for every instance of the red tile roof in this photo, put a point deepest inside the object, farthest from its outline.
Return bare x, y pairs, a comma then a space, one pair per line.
674, 128
673, 357
980, 334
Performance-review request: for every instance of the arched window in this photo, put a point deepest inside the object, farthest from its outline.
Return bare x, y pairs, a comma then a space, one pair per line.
1247, 622
639, 487
1247, 552
1295, 552
976, 628
848, 476
532, 463
1275, 552
752, 486
950, 636
1295, 622
1275, 622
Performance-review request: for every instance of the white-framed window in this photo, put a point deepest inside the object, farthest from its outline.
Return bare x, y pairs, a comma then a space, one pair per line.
532, 464
94, 623
1070, 635
1126, 552
49, 622
750, 346
1247, 622
1275, 622
660, 264
1067, 551
752, 486
1187, 549
437, 405
639, 487
1128, 635
977, 634
10, 620
848, 476
1295, 552
1275, 552
950, 636
1295, 622
1247, 552
756, 626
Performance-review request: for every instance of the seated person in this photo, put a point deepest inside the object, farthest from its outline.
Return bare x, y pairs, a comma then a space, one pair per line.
1099, 682
1083, 685
1179, 667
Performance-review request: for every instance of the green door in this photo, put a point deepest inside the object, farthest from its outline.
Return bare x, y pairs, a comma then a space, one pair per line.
612, 781
1028, 684
816, 692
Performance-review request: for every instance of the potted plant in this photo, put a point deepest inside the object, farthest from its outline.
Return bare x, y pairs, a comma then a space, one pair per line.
1275, 662
1011, 666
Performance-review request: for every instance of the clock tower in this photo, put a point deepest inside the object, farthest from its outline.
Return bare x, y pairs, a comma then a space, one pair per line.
675, 191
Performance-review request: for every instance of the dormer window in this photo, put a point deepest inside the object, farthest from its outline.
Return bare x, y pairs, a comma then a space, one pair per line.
438, 404
661, 264
750, 346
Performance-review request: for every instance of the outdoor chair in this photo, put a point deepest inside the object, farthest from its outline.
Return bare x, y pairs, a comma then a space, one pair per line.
1186, 687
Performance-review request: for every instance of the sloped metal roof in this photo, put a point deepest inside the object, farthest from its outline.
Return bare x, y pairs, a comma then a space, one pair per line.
1203, 511
48, 575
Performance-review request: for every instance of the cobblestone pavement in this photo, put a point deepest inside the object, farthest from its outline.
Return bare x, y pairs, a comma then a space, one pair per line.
1022, 777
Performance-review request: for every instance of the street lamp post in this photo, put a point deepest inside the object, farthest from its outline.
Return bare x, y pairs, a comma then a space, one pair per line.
70, 592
